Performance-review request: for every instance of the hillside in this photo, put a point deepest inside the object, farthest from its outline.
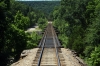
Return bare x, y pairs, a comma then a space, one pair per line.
46, 7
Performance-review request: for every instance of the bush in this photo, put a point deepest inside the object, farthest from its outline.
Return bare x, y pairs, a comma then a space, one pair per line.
33, 40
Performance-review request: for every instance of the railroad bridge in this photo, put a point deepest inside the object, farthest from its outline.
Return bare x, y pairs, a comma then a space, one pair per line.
50, 53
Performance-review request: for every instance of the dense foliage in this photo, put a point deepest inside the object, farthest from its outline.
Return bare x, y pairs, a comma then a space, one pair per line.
78, 23
15, 18
44, 6
33, 40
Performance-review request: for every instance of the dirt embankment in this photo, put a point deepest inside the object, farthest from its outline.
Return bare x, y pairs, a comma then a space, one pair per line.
70, 59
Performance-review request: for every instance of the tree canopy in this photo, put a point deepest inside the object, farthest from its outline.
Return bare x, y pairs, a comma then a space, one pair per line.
78, 24
15, 18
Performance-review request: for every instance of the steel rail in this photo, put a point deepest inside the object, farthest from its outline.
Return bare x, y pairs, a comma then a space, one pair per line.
58, 59
42, 42
44, 39
58, 43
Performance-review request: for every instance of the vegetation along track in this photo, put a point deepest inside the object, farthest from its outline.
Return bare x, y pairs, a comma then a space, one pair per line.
49, 51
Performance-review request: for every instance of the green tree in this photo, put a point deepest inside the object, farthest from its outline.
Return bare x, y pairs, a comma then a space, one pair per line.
33, 40
33, 18
42, 23
18, 40
21, 21
94, 59
83, 26
4, 7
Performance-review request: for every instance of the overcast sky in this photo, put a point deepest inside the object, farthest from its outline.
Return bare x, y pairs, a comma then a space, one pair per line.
37, 0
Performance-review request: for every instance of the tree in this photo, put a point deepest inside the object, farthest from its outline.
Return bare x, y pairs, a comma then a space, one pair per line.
18, 40
33, 18
33, 40
21, 21
4, 5
42, 23
83, 27
94, 59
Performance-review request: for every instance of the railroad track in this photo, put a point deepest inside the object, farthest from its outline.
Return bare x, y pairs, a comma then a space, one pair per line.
49, 53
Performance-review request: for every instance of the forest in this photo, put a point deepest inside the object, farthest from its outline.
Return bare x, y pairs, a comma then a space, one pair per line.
15, 19
78, 24
76, 21
46, 7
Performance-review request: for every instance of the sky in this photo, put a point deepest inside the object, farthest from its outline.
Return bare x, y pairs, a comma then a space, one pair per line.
37, 0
